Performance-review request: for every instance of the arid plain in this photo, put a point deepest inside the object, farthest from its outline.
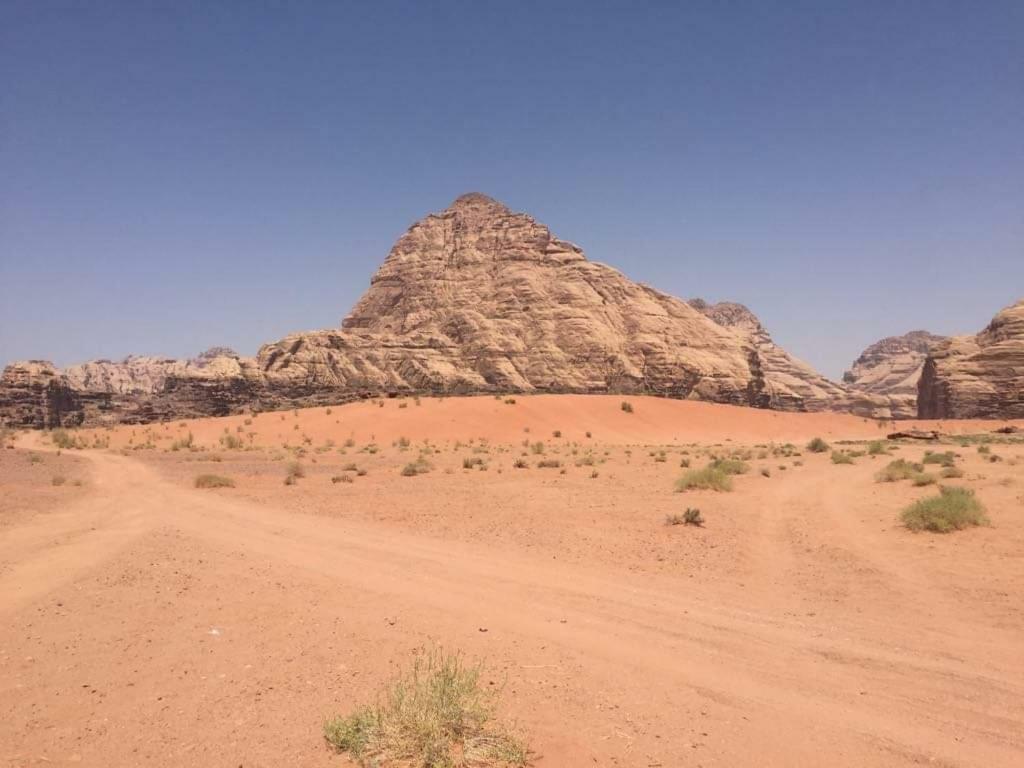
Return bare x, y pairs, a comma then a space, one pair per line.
150, 622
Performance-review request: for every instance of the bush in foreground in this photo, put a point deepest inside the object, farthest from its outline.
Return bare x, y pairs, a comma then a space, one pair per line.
952, 510
214, 481
707, 479
437, 715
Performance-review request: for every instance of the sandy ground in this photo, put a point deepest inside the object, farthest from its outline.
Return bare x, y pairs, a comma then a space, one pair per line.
146, 622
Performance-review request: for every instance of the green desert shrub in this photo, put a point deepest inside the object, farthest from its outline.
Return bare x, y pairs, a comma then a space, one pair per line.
946, 459
439, 714
730, 466
953, 509
952, 472
817, 445
419, 467
709, 479
214, 481
897, 470
841, 457
549, 464
923, 478
877, 448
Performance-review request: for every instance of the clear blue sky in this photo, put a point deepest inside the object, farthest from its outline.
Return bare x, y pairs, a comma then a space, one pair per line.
177, 175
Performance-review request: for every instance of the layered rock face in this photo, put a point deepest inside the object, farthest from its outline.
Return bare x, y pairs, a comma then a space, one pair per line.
789, 383
34, 394
476, 298
892, 367
136, 390
479, 298
980, 376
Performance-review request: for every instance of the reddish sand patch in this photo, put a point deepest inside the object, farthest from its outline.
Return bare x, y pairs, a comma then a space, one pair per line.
146, 622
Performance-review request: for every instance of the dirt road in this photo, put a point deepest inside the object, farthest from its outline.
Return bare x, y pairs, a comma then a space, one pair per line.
152, 624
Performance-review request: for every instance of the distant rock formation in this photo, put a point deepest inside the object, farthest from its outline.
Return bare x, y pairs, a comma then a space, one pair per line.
474, 299
892, 367
980, 376
478, 298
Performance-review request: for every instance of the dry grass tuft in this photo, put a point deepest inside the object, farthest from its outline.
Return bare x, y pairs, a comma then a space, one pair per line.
436, 715
952, 510
707, 479
214, 481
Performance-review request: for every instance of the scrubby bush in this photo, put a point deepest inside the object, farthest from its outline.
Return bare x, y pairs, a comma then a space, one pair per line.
214, 481
709, 478
897, 470
817, 445
626, 406
841, 457
439, 714
691, 516
877, 448
953, 509
946, 459
730, 466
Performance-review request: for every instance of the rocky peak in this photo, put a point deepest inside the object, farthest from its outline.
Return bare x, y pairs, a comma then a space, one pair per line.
980, 376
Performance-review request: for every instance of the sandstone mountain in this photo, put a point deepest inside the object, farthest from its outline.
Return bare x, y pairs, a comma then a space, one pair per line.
892, 367
479, 298
980, 376
476, 298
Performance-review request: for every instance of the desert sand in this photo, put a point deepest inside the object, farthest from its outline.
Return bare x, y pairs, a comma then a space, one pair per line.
144, 621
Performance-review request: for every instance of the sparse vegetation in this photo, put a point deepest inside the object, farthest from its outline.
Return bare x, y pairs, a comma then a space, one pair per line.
730, 466
691, 516
419, 467
626, 406
951, 472
65, 440
214, 481
877, 448
817, 445
946, 459
342, 479
549, 464
897, 470
439, 714
295, 472
953, 509
58, 480
707, 479
841, 457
